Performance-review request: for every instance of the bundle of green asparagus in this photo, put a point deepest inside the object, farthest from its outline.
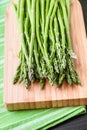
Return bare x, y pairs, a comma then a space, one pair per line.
46, 50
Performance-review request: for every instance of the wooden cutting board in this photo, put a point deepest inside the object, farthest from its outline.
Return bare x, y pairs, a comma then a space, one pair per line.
17, 97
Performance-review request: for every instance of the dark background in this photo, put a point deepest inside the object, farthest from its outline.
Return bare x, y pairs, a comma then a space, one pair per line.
84, 7
79, 122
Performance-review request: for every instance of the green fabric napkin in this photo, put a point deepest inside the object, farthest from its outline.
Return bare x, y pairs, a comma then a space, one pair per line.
29, 119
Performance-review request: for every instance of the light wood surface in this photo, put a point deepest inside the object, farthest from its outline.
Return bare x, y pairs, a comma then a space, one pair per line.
17, 97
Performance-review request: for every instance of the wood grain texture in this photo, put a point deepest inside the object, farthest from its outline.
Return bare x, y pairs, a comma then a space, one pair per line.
16, 97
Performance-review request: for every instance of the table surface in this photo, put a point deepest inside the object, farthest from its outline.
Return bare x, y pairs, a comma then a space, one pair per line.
79, 122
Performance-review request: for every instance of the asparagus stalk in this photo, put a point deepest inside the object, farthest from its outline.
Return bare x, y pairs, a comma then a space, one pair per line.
32, 39
47, 6
18, 8
63, 41
68, 7
43, 15
27, 27
21, 67
46, 27
51, 29
37, 59
57, 60
23, 45
17, 75
37, 26
66, 22
29, 9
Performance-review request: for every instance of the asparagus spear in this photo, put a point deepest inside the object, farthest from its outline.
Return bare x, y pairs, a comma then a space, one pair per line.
51, 29
18, 8
21, 19
43, 15
17, 75
32, 40
47, 6
46, 27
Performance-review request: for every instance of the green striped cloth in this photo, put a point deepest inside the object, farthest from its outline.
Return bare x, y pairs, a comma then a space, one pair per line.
29, 119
